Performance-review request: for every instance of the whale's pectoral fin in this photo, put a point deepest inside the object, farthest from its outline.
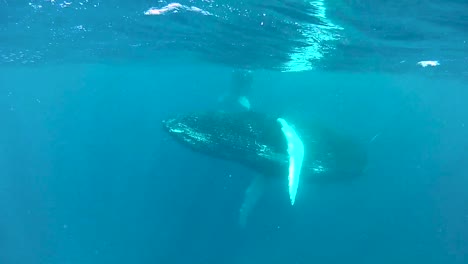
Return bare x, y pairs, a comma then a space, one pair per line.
253, 193
244, 102
296, 157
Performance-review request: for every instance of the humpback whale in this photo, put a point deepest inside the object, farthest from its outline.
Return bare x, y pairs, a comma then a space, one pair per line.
296, 152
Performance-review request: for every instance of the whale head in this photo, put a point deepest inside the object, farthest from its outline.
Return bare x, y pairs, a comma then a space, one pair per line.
254, 140
190, 130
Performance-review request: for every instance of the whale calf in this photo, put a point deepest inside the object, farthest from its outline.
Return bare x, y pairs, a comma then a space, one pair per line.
272, 146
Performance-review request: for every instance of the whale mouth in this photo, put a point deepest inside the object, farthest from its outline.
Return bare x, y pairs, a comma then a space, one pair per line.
183, 129
173, 126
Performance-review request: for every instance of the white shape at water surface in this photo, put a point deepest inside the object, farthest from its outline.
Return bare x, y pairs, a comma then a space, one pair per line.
175, 7
296, 157
315, 35
428, 63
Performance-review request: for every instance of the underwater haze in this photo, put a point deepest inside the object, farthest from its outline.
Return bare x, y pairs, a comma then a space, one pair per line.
88, 175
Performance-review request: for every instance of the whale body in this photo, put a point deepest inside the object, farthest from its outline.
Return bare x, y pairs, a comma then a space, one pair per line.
257, 141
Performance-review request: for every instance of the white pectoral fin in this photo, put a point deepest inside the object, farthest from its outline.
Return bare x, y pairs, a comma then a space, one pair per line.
296, 157
244, 102
253, 193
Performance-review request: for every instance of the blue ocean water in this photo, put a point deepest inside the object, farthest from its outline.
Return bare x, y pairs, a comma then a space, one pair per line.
87, 175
